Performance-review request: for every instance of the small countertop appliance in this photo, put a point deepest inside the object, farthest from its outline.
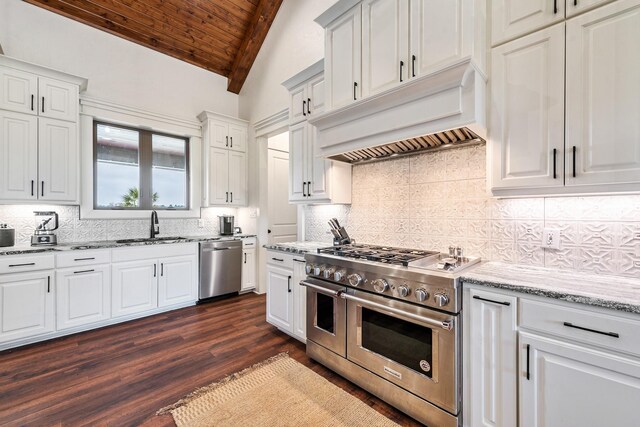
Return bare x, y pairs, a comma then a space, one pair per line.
46, 224
226, 225
7, 236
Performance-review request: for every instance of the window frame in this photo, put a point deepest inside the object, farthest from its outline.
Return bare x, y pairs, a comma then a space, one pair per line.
145, 166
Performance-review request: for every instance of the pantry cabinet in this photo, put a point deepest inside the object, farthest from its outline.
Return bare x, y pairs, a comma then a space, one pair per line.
83, 295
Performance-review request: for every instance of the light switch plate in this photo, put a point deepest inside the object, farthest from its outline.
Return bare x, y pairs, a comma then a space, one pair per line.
551, 238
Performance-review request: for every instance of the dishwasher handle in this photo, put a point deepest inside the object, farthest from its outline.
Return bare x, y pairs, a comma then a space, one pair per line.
215, 249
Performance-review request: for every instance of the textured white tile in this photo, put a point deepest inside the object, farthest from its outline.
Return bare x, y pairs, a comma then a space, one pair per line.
529, 231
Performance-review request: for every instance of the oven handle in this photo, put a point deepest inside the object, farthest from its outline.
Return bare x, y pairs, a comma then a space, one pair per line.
446, 325
322, 290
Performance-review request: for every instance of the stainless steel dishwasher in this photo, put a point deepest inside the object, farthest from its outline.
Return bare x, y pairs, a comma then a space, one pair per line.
220, 268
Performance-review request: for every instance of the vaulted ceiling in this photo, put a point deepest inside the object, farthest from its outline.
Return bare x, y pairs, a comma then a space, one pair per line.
222, 36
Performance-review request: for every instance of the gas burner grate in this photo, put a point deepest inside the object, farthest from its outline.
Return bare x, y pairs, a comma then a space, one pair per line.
381, 254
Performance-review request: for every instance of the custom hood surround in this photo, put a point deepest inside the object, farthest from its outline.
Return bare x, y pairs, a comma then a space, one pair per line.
442, 109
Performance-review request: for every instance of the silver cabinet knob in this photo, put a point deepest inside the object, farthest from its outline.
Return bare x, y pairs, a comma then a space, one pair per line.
354, 279
380, 285
338, 275
422, 294
403, 291
441, 299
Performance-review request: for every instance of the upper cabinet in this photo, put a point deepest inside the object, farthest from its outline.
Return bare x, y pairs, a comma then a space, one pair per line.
225, 160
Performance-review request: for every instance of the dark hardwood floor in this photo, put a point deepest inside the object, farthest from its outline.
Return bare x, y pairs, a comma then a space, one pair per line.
122, 374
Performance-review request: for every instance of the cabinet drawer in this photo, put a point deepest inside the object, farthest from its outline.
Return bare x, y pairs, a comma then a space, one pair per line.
18, 264
73, 258
615, 333
280, 259
249, 242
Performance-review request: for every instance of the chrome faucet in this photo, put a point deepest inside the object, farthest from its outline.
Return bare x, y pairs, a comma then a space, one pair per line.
155, 228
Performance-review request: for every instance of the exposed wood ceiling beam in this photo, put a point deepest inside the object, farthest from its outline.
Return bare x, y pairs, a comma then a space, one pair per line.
253, 39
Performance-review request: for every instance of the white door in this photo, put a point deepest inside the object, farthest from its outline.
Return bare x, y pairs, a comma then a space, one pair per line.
385, 45
575, 7
218, 176
134, 287
514, 18
283, 216
318, 169
248, 269
342, 64
57, 160
83, 295
18, 156
436, 38
297, 162
177, 281
19, 91
298, 104
237, 178
219, 134
603, 95
527, 116
493, 359
574, 386
315, 95
299, 300
280, 297
26, 305
58, 100
237, 138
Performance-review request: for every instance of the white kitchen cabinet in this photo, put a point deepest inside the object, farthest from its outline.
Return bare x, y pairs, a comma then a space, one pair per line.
57, 160
515, 18
527, 111
385, 44
58, 99
603, 88
248, 269
280, 297
218, 176
298, 104
343, 51
563, 384
299, 299
575, 7
237, 178
237, 137
18, 156
18, 91
223, 134
306, 93
83, 295
492, 332
26, 305
176, 280
134, 287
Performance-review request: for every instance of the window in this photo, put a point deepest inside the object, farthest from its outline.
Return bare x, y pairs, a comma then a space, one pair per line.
139, 169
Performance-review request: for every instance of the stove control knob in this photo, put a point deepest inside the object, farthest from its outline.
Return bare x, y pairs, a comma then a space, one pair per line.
422, 294
380, 285
441, 299
338, 276
308, 268
403, 291
317, 270
328, 273
354, 279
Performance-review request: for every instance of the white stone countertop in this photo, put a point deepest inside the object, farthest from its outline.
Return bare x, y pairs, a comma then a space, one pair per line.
613, 292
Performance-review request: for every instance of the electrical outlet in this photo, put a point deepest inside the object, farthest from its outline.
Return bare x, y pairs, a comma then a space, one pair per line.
201, 223
253, 213
551, 238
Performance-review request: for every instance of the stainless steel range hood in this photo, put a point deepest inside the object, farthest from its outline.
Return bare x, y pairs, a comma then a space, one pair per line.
439, 110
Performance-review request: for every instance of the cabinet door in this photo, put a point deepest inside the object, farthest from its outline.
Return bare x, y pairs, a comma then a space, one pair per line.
574, 386
18, 156
280, 297
297, 162
343, 61
298, 104
83, 296
177, 281
58, 100
26, 305
238, 138
575, 7
134, 287
318, 169
514, 18
527, 117
19, 91
385, 44
237, 178
218, 134
315, 95
299, 300
218, 176
436, 38
493, 359
57, 160
603, 89
248, 269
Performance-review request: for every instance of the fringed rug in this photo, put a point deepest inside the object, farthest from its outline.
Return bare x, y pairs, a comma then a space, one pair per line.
277, 392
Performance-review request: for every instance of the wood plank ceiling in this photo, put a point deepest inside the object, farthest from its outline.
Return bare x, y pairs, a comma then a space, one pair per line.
222, 36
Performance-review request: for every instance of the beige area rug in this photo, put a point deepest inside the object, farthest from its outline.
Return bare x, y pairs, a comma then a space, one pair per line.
277, 392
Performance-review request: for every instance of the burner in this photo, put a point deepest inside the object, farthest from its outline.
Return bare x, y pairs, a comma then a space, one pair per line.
380, 254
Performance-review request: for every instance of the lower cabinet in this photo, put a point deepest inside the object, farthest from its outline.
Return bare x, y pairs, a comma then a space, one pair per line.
175, 284
248, 270
299, 300
134, 287
27, 304
83, 296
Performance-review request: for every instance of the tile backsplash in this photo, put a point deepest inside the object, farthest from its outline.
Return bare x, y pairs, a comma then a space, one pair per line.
433, 200
73, 229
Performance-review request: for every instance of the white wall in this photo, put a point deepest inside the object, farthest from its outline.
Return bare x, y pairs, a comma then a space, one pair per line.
118, 70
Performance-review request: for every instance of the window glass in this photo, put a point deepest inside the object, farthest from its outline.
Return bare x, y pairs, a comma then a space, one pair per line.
169, 172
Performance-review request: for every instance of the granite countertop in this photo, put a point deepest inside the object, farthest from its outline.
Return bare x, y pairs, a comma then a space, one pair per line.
613, 292
107, 244
297, 247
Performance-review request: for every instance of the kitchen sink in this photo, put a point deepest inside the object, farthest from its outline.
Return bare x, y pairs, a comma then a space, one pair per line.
148, 239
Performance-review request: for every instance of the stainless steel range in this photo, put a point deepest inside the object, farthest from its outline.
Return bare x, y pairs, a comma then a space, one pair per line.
389, 320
